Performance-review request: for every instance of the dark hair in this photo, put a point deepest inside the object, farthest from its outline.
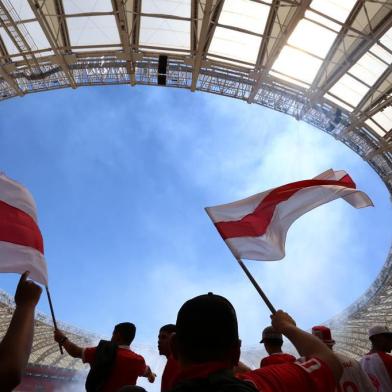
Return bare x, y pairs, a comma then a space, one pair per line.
170, 328
127, 331
131, 388
206, 328
273, 342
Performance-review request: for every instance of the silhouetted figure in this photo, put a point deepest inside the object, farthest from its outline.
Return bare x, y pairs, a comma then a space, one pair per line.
15, 348
113, 364
172, 366
273, 342
208, 347
378, 362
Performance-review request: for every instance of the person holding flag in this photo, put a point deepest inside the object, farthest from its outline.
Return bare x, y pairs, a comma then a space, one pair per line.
207, 345
15, 348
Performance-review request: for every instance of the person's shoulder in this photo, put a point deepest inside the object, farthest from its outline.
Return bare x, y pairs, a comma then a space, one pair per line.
220, 381
131, 354
386, 357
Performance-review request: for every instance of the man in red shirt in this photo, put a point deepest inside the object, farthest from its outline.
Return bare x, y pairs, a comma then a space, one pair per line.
172, 367
273, 342
378, 362
115, 360
208, 348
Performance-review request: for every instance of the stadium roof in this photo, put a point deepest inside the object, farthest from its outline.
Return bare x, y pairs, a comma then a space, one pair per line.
327, 62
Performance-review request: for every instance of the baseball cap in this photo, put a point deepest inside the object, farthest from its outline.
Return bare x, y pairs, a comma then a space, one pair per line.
379, 330
206, 325
323, 333
270, 333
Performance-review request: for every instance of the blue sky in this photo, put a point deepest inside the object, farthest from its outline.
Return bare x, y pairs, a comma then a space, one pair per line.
121, 175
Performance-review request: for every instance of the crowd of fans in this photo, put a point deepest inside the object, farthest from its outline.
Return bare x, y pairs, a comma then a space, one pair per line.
203, 351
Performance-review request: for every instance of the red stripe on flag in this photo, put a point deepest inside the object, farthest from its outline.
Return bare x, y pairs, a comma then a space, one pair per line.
255, 224
19, 228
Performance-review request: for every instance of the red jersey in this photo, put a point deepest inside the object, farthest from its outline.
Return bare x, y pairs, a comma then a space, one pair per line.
169, 375
309, 376
276, 359
128, 366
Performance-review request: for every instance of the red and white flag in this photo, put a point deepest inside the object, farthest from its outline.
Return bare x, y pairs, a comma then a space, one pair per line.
255, 228
21, 243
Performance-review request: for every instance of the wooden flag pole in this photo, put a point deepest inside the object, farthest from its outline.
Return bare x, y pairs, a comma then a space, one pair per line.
52, 312
256, 285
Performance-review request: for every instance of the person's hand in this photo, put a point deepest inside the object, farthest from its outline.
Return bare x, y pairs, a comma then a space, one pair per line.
281, 320
27, 292
59, 336
151, 377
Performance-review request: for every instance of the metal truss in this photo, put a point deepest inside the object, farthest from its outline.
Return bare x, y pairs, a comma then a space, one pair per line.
44, 350
33, 70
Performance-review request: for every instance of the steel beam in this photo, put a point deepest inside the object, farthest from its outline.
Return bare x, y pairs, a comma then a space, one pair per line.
285, 31
211, 12
124, 32
50, 36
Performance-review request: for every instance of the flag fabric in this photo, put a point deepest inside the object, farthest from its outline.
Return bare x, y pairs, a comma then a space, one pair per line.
21, 243
255, 228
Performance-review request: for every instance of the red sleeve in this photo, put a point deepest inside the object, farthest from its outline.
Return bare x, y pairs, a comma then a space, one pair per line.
387, 359
140, 366
88, 355
312, 375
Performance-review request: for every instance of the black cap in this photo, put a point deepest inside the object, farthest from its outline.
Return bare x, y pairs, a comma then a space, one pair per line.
206, 327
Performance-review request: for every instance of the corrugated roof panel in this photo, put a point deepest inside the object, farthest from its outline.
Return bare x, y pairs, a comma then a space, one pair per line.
288, 79
349, 90
368, 69
375, 127
169, 33
386, 39
233, 62
338, 102
11, 48
381, 53
23, 9
299, 65
37, 35
244, 14
93, 30
312, 38
180, 8
84, 6
384, 118
322, 20
235, 45
336, 9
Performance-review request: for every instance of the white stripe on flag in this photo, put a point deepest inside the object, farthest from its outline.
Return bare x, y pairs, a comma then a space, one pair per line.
18, 258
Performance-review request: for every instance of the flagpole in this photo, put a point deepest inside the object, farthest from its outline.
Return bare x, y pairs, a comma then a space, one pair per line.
256, 286
52, 312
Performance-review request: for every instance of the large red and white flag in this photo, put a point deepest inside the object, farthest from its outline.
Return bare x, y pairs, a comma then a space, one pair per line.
21, 243
255, 228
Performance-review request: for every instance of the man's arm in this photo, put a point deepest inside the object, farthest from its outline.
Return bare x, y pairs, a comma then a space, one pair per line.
71, 348
306, 344
149, 374
15, 347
